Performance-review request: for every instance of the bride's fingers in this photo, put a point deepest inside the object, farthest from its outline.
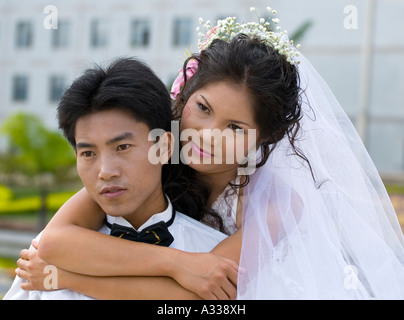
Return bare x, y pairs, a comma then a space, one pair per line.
232, 272
35, 243
208, 296
25, 254
233, 276
230, 290
220, 295
22, 264
22, 273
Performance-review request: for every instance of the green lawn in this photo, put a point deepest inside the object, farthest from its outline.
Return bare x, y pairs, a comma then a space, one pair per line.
395, 189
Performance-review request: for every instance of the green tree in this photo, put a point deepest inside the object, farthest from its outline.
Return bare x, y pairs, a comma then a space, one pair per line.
37, 153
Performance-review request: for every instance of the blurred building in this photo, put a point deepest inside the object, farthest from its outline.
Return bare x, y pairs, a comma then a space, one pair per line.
358, 48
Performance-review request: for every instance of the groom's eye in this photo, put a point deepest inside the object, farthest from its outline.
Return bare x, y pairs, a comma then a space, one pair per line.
87, 154
123, 147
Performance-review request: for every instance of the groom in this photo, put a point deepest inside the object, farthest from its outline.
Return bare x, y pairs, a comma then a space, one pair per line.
107, 116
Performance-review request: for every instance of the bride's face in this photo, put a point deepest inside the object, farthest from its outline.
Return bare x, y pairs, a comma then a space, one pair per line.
218, 128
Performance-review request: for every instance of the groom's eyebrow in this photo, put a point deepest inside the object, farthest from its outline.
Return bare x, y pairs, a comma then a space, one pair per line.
81, 145
123, 136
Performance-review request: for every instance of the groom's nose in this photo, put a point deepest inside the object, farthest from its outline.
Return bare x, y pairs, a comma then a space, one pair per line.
109, 168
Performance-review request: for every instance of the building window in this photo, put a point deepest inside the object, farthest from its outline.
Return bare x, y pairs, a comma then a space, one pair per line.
56, 87
24, 34
98, 33
20, 88
182, 32
60, 36
140, 33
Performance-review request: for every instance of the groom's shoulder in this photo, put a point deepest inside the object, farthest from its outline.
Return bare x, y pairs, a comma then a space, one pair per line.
192, 225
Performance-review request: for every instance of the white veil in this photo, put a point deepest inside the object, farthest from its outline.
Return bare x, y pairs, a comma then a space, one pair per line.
333, 237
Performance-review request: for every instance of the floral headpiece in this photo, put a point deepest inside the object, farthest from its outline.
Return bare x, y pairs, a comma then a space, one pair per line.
228, 28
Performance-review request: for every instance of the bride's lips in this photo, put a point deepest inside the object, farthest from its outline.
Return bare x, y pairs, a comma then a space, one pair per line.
200, 152
112, 192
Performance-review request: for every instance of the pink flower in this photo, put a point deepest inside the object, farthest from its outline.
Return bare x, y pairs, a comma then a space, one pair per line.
192, 67
211, 33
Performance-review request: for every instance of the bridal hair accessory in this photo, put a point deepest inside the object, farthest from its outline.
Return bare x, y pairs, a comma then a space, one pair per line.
228, 28
192, 66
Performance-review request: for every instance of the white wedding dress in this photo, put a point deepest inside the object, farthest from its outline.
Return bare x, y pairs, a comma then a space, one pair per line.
330, 235
327, 234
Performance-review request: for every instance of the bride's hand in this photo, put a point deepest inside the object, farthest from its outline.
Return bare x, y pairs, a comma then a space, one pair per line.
208, 275
39, 275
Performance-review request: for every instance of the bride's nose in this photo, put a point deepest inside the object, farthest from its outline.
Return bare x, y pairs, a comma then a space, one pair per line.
217, 138
209, 136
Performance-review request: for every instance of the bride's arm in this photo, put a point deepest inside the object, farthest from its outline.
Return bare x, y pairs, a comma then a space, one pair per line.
97, 254
129, 288
31, 268
151, 287
71, 242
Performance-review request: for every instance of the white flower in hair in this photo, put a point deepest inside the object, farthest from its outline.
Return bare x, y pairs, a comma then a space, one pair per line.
228, 28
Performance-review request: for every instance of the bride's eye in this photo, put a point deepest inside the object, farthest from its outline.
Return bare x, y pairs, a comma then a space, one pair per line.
236, 128
202, 107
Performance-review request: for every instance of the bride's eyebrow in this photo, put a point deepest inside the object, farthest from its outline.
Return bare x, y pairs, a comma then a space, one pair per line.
235, 121
241, 122
206, 102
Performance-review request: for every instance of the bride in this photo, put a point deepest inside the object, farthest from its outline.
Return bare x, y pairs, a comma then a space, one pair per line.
313, 221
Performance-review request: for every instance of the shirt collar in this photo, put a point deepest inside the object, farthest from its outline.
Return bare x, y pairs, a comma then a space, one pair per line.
161, 216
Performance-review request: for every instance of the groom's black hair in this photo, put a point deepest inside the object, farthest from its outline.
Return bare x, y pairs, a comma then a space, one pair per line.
126, 83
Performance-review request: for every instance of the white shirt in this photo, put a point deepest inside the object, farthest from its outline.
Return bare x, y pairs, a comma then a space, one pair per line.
189, 235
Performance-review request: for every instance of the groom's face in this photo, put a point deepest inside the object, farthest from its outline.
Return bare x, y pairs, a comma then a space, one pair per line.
112, 161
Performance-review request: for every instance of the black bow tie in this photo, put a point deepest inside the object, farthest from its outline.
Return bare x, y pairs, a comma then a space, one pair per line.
155, 234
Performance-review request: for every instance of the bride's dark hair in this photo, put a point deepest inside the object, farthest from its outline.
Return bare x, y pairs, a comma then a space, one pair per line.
271, 82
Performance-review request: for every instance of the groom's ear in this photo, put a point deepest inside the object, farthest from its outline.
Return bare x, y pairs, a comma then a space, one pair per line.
166, 146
